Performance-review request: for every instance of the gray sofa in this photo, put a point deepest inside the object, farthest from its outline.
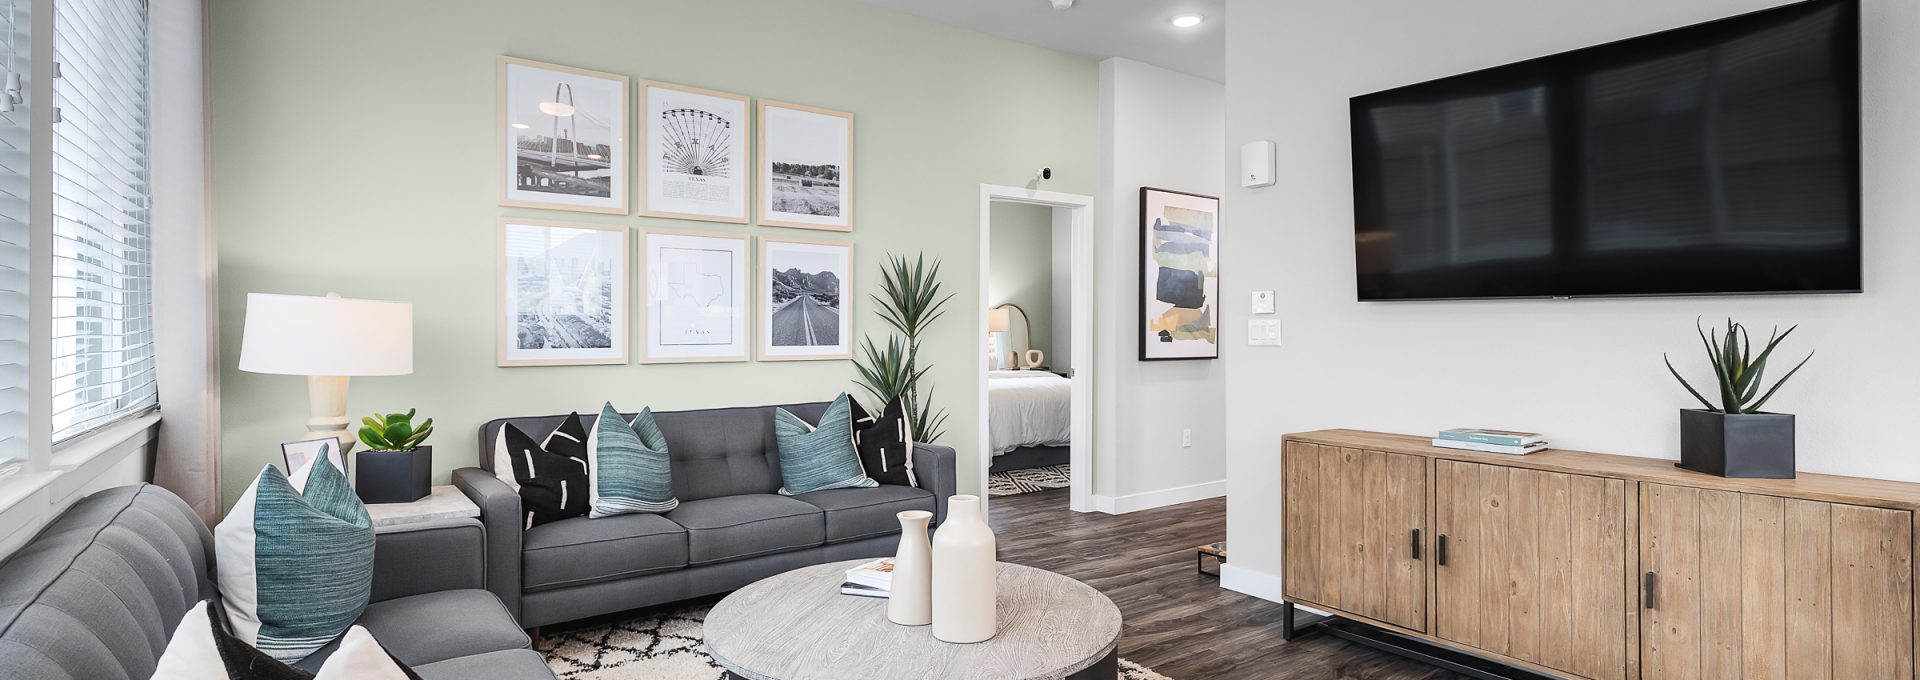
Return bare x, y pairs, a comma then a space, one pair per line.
731, 528
97, 594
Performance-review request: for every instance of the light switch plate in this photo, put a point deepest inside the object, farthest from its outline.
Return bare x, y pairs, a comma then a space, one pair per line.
1263, 332
1263, 302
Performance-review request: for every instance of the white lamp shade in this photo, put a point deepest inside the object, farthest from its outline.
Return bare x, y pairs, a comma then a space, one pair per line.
999, 320
329, 336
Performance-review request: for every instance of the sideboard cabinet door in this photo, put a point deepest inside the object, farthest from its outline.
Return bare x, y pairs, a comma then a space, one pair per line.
1535, 566
1767, 588
1354, 532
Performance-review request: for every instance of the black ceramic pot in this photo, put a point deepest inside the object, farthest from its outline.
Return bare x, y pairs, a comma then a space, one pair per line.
1745, 445
393, 476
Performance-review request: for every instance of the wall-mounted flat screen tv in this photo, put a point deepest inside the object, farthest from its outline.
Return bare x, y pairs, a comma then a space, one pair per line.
1719, 158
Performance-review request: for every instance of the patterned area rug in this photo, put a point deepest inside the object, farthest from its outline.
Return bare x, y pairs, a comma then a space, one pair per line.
1014, 482
664, 645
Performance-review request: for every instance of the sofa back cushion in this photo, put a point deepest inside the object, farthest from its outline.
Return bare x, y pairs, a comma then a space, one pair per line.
715, 452
100, 590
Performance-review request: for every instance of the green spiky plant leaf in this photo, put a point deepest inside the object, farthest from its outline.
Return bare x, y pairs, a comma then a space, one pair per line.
394, 431
910, 301
1736, 370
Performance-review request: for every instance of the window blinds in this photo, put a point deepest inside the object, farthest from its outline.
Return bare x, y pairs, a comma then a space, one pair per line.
14, 244
102, 292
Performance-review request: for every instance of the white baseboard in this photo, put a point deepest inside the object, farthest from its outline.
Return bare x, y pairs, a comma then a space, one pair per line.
1256, 583
1119, 505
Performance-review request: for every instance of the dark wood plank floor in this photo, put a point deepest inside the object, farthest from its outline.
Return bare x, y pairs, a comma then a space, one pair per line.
1178, 622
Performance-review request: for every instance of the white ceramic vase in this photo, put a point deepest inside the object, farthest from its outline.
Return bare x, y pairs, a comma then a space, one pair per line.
965, 575
910, 600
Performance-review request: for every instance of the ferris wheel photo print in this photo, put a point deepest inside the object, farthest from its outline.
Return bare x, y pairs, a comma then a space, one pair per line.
695, 162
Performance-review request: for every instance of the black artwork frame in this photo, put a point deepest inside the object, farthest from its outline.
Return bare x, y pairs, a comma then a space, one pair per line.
1146, 239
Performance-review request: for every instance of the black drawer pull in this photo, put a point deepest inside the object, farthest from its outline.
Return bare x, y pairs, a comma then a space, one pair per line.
1416, 544
1440, 550
1647, 590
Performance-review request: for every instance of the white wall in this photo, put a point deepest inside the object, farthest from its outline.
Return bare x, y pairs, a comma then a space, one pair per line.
1060, 356
1160, 129
1586, 372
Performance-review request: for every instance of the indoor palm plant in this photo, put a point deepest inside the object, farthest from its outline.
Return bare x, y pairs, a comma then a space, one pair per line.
910, 302
396, 467
1734, 438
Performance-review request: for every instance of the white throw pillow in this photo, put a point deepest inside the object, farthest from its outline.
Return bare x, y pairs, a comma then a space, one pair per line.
194, 654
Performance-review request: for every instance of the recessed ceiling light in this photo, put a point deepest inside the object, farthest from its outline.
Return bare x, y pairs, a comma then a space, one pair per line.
1187, 20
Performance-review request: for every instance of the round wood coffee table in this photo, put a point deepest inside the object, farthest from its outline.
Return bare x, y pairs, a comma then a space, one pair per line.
797, 626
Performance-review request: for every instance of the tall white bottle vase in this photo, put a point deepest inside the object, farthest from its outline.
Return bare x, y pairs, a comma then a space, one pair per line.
965, 575
910, 600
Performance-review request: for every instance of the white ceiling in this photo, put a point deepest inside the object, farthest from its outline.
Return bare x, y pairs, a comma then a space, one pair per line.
1135, 29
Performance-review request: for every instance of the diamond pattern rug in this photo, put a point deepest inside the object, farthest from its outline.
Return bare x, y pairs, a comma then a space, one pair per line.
1014, 482
664, 645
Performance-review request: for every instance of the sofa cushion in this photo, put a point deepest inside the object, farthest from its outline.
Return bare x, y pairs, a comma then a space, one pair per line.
579, 551
628, 469
733, 527
513, 663
295, 561
853, 514
434, 627
815, 457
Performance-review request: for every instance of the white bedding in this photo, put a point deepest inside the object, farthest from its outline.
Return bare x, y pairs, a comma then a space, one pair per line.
1028, 408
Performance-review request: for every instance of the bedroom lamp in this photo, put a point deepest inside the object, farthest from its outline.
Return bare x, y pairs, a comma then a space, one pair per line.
329, 340
999, 320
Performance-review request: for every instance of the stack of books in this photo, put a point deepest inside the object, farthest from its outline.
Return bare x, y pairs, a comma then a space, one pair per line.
873, 579
1490, 441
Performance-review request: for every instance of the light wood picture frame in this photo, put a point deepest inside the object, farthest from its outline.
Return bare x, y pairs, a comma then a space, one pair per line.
562, 135
695, 153
805, 167
695, 296
805, 299
562, 293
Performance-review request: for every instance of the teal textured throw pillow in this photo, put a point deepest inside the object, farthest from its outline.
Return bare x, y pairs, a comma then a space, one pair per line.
627, 466
814, 458
296, 561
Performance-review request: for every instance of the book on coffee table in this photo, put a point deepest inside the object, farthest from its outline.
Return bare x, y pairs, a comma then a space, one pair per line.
877, 575
851, 588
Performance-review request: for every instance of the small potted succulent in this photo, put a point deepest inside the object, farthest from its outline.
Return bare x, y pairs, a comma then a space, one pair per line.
1735, 438
395, 468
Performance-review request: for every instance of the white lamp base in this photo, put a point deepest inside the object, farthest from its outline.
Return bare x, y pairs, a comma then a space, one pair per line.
327, 410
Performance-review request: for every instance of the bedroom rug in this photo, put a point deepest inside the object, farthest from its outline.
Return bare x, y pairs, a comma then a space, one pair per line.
1015, 482
664, 645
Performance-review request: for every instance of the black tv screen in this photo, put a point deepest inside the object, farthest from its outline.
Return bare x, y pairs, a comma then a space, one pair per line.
1719, 158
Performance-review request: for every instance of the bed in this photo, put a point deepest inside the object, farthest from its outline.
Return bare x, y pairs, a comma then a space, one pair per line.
1029, 421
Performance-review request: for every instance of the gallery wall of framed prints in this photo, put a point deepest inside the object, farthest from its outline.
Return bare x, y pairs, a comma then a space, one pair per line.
693, 296
805, 167
563, 137
805, 299
704, 155
562, 293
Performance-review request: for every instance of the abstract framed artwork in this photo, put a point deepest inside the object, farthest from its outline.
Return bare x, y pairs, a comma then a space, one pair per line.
805, 166
562, 294
693, 296
693, 153
806, 299
563, 137
1179, 275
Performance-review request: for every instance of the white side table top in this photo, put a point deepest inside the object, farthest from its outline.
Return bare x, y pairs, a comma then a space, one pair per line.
445, 502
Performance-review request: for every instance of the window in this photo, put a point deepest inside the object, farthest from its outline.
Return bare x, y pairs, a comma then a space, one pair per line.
102, 291
14, 241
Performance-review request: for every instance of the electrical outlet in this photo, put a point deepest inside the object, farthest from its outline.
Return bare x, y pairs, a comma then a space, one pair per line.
1186, 438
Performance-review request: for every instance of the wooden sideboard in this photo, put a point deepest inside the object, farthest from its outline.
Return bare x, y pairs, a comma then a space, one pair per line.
1585, 565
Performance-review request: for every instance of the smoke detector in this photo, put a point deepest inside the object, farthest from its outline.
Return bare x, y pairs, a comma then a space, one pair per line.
1061, 4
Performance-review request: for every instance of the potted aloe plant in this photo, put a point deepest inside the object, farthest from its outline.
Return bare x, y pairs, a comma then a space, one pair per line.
1735, 438
396, 467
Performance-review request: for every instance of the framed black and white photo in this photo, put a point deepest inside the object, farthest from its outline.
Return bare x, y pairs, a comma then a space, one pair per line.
806, 167
693, 160
1179, 275
300, 454
693, 294
563, 133
563, 293
806, 299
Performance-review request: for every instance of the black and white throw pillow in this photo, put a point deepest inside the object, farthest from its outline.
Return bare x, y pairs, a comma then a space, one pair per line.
552, 474
203, 649
885, 443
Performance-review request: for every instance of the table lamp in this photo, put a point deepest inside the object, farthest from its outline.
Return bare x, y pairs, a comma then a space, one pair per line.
999, 320
328, 339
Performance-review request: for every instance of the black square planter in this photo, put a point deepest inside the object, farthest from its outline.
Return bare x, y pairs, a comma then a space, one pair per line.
1743, 445
393, 476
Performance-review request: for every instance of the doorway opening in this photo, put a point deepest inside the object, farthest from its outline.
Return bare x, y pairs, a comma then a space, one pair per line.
1035, 322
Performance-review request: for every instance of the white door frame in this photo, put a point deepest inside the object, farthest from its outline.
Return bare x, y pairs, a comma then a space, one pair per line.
1081, 325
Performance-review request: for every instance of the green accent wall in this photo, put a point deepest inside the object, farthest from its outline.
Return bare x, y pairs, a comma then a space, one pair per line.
354, 151
1020, 266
